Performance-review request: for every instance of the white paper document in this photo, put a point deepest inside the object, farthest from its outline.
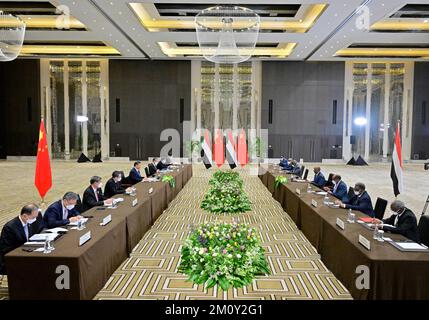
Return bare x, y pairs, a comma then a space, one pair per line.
322, 193
43, 236
33, 244
84, 220
56, 230
410, 246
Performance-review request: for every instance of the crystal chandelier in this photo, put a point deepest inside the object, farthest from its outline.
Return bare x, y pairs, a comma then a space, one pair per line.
227, 34
12, 31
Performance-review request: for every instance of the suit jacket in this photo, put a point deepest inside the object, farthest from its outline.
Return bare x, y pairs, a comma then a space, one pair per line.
362, 204
152, 169
161, 166
54, 215
12, 237
341, 191
319, 180
406, 225
89, 199
283, 163
135, 176
112, 188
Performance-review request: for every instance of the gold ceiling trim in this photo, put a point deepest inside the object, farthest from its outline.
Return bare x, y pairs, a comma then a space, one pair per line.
401, 25
68, 50
384, 52
283, 50
42, 22
299, 26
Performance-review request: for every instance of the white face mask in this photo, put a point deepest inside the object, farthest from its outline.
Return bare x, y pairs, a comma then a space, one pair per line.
119, 179
70, 207
30, 221
356, 193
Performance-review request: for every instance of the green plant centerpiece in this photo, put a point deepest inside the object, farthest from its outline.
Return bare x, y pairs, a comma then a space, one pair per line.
279, 181
222, 253
226, 194
169, 179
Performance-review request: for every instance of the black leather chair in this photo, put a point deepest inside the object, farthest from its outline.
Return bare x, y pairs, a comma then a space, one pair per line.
380, 208
423, 228
301, 172
351, 193
79, 207
305, 174
329, 183
146, 170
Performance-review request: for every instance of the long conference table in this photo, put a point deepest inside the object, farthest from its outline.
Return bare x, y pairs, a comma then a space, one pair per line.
393, 274
89, 266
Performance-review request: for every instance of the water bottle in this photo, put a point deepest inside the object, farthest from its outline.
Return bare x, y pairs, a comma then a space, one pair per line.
375, 234
79, 224
46, 247
309, 190
349, 215
326, 200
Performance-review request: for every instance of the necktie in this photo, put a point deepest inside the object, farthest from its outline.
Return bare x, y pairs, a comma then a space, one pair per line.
96, 195
26, 231
65, 213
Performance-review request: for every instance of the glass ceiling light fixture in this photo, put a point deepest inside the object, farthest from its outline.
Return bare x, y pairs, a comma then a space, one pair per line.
227, 34
12, 32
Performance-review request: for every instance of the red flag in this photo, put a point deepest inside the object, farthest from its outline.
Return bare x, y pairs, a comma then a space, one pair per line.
242, 148
219, 155
43, 177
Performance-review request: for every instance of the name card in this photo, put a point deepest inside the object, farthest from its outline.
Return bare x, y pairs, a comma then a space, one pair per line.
85, 238
134, 203
150, 190
365, 242
298, 191
340, 223
106, 220
314, 203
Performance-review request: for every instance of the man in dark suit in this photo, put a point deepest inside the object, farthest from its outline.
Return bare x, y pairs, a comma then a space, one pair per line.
339, 190
135, 175
62, 212
18, 231
361, 201
152, 167
113, 185
319, 179
162, 164
403, 222
93, 195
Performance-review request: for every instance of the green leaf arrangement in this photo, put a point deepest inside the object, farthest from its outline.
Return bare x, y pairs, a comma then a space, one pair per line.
226, 194
170, 180
279, 181
229, 255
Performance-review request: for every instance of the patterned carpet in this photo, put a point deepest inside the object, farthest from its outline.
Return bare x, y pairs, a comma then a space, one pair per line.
151, 271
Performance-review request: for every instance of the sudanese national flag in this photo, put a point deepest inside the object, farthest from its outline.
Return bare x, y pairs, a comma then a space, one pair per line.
43, 176
396, 169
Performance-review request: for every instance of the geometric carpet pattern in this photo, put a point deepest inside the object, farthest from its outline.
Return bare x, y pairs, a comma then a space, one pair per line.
151, 270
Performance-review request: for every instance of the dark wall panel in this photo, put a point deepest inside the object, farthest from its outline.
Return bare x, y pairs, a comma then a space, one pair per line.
20, 107
420, 146
303, 96
150, 94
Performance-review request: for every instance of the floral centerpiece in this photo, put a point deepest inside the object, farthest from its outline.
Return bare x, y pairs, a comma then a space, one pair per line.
224, 254
226, 194
170, 180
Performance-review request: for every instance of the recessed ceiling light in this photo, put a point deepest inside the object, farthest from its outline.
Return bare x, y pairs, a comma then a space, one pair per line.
425, 21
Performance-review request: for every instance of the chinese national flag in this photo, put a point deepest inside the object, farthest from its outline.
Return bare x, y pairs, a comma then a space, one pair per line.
219, 155
43, 177
242, 148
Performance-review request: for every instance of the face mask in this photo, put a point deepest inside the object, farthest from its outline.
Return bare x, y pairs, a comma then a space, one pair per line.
70, 207
30, 221
357, 193
119, 179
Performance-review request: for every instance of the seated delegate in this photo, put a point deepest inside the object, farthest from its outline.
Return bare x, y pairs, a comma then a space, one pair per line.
361, 201
339, 190
114, 186
93, 195
403, 221
319, 179
62, 212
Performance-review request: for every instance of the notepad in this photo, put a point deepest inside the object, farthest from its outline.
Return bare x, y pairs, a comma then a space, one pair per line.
33, 244
322, 193
83, 220
56, 230
367, 219
44, 236
410, 246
